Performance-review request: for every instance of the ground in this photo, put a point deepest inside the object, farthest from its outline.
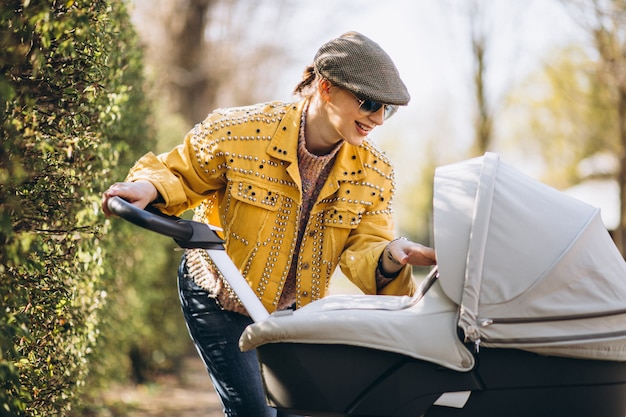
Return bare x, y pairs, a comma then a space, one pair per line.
189, 395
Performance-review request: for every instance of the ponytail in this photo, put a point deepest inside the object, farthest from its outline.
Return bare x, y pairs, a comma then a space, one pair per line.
306, 86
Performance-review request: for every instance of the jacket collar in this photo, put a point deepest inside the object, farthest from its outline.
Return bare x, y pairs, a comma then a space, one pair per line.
284, 146
348, 167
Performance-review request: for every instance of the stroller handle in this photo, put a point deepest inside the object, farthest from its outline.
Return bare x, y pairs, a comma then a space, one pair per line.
193, 235
187, 234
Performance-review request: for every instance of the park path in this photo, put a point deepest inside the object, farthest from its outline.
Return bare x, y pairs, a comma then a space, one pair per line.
189, 395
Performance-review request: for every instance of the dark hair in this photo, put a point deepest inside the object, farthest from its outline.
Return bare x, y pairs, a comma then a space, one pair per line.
306, 87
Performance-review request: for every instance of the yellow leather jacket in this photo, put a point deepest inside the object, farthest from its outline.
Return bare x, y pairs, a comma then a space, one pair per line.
240, 167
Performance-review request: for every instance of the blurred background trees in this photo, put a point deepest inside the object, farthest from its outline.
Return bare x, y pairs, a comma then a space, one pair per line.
570, 114
86, 90
605, 23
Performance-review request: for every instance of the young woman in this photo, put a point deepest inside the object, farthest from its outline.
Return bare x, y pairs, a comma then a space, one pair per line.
298, 190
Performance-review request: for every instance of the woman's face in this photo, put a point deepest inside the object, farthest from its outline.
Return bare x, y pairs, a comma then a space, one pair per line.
345, 117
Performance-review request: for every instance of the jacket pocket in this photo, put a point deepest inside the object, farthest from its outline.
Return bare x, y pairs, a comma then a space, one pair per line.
255, 195
252, 214
344, 218
338, 223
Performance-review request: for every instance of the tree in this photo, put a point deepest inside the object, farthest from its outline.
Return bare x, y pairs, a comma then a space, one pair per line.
562, 115
479, 38
206, 53
605, 22
487, 30
143, 333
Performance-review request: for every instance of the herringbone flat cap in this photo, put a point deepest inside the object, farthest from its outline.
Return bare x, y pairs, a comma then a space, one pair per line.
360, 65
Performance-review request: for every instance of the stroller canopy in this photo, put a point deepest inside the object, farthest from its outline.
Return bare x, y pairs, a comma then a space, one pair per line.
529, 266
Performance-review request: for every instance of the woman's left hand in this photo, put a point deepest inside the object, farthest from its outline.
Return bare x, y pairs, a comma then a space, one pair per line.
407, 252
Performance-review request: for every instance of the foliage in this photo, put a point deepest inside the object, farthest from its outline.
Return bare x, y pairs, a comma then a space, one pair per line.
72, 108
567, 115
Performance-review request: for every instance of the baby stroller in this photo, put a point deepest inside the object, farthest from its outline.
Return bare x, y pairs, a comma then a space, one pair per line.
525, 314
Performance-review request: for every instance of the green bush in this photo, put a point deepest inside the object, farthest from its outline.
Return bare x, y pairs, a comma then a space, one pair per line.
72, 109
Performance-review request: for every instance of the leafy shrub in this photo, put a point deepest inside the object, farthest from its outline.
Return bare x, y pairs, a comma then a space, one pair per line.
72, 108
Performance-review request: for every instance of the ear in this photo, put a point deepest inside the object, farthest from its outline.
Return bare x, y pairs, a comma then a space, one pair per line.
324, 89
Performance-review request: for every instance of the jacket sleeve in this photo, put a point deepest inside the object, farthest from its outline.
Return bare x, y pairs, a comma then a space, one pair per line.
367, 241
360, 259
178, 176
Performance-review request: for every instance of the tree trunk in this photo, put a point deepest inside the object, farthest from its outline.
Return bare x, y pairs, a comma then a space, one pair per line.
189, 81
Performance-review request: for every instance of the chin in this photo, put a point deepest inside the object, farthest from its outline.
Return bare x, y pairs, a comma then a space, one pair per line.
357, 141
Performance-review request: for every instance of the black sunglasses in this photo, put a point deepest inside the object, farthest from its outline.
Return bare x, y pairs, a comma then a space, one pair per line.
370, 106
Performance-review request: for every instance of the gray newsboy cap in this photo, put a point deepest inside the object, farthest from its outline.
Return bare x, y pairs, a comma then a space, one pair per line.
360, 65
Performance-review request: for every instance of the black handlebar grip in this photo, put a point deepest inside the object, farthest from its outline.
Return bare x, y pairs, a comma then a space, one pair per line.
160, 223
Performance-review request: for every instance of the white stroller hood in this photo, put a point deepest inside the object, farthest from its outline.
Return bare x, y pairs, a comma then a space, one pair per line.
529, 266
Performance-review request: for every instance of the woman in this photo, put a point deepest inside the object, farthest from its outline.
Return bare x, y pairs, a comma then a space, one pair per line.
298, 189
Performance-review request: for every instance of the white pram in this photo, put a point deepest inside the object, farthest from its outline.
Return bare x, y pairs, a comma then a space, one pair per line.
525, 314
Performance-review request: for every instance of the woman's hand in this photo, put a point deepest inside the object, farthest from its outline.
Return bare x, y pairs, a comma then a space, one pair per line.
139, 193
406, 252
400, 252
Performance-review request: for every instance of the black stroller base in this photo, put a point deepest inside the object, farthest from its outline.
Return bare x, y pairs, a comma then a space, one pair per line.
341, 380
587, 401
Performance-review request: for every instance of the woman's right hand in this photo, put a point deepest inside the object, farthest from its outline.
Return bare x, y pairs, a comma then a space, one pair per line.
139, 193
